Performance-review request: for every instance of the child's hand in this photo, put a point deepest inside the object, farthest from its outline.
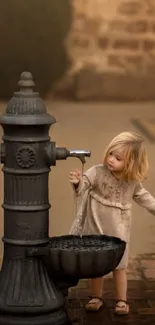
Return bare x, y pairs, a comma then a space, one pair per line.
75, 177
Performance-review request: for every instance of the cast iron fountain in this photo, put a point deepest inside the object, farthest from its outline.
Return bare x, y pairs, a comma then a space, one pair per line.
36, 269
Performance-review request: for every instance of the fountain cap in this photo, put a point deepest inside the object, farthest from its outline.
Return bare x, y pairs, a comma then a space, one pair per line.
26, 107
26, 80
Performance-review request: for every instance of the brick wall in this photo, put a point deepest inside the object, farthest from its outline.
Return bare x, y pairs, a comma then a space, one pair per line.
111, 48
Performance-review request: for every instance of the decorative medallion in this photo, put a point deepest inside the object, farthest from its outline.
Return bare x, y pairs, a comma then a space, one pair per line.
25, 157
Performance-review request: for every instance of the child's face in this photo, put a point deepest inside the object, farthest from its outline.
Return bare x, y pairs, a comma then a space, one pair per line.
116, 160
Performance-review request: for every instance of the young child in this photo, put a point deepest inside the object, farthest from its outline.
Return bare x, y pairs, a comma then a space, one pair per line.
104, 199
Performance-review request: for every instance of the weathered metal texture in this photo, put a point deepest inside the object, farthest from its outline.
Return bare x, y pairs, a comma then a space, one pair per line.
26, 291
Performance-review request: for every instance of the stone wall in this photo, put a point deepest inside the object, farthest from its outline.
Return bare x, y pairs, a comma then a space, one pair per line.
111, 47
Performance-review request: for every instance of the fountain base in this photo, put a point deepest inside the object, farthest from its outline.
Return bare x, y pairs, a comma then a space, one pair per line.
55, 318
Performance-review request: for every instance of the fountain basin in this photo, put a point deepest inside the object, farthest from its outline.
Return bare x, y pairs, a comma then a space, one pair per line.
83, 257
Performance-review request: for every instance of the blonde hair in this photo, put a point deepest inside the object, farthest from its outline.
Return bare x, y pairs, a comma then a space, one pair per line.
136, 161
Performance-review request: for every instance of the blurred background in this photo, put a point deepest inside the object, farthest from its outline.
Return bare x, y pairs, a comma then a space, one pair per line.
93, 63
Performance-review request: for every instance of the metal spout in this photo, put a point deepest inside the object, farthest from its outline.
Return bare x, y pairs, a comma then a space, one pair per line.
53, 153
81, 154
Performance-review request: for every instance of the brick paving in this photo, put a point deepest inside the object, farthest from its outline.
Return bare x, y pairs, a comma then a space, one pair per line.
141, 297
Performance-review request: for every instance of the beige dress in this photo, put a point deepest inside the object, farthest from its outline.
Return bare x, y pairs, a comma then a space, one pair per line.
104, 205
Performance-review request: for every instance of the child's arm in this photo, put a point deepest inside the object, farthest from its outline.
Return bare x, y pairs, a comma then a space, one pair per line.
144, 198
81, 186
82, 183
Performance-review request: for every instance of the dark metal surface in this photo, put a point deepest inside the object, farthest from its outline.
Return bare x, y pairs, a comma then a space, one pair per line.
27, 293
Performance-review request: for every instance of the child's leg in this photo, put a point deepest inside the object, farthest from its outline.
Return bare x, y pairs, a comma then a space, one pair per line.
96, 294
120, 280
96, 287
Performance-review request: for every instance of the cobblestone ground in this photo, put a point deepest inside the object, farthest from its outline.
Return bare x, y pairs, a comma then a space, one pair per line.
141, 297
